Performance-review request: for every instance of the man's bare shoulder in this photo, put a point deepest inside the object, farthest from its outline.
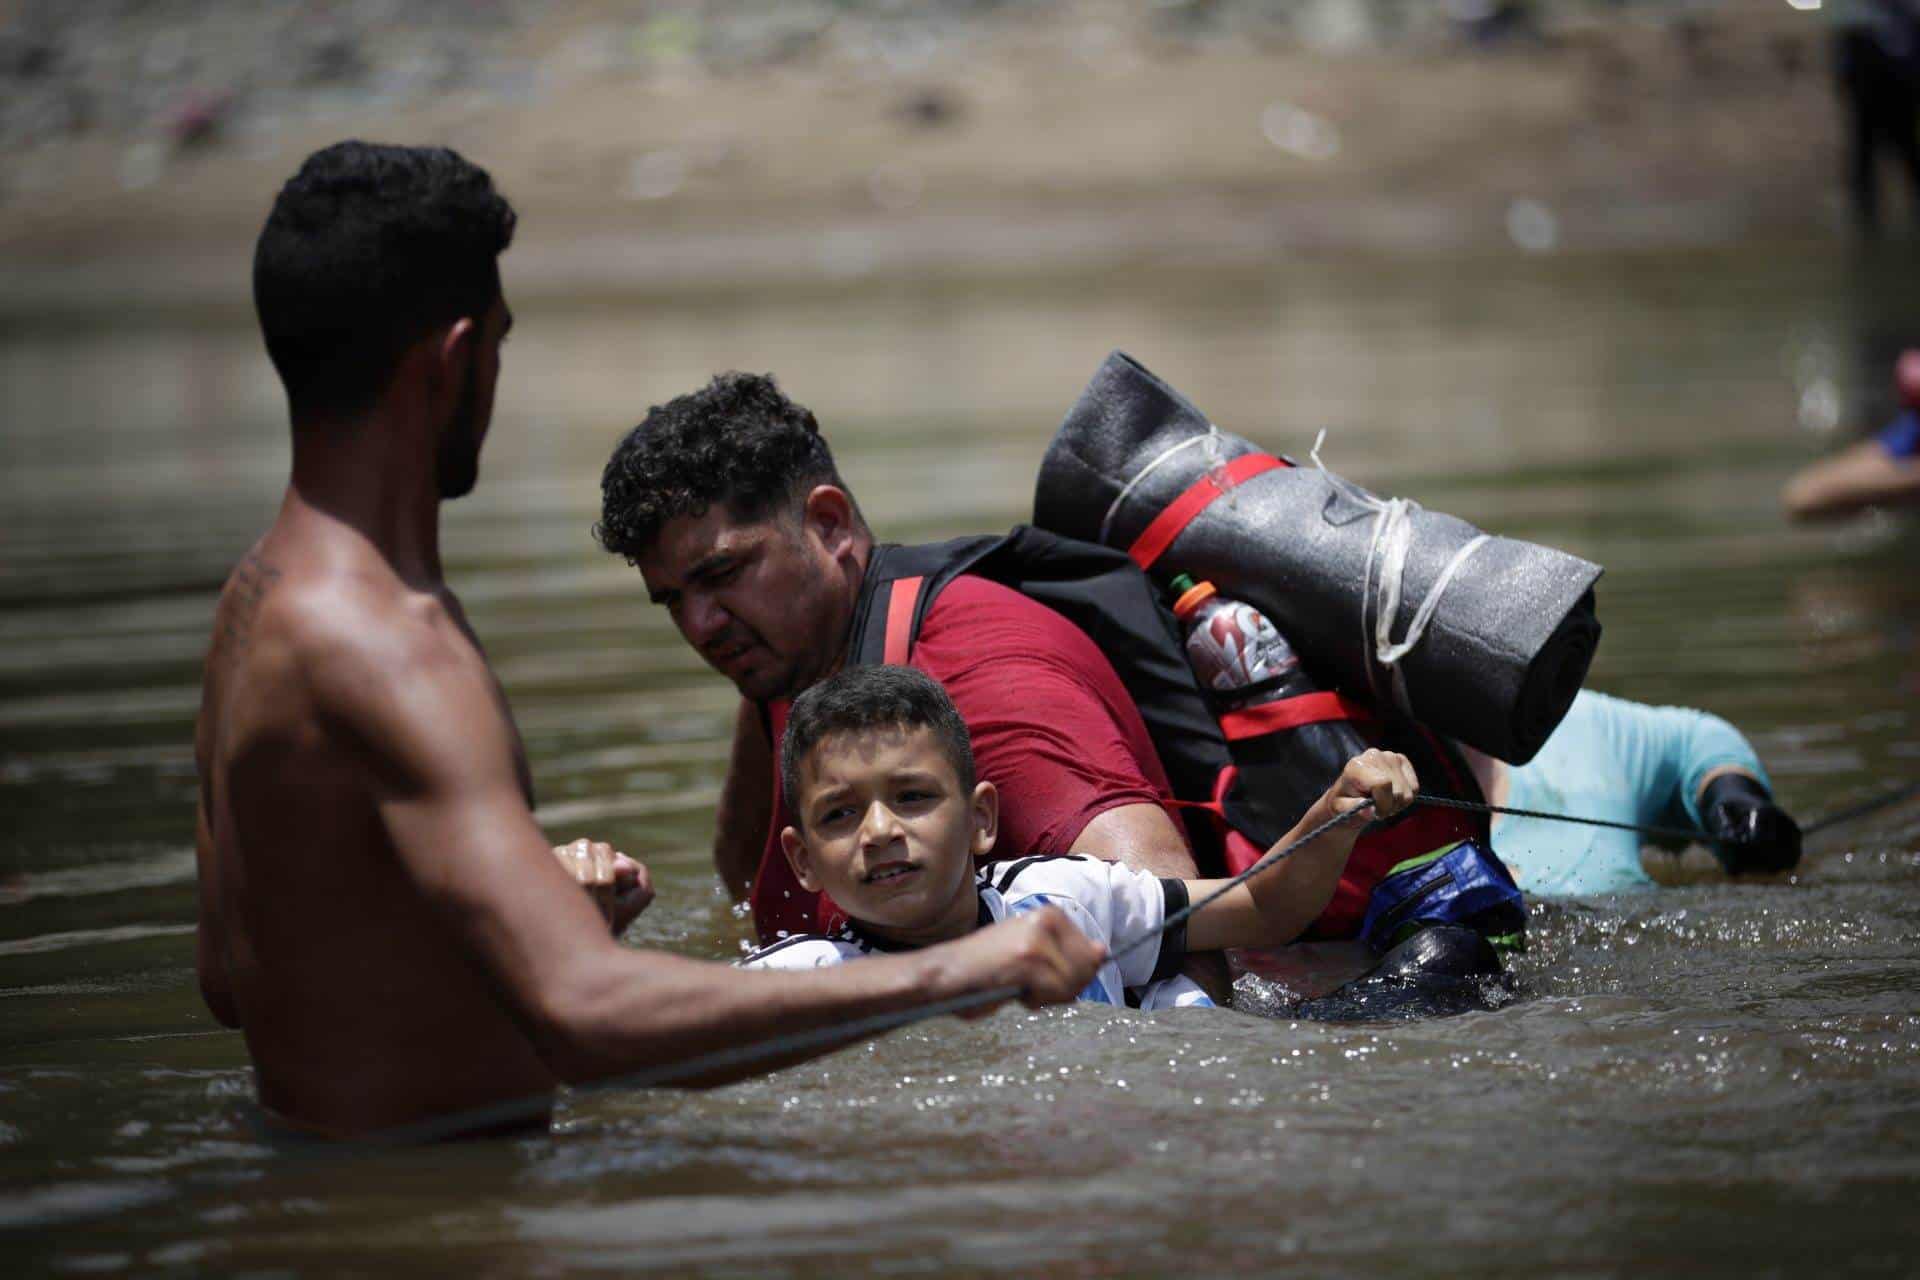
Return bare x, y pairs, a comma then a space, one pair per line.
347, 636
359, 638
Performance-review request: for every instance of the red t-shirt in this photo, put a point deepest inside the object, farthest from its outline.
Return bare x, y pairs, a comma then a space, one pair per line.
1052, 727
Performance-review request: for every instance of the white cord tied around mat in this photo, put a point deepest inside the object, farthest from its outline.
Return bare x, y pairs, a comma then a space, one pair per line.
1392, 540
1216, 471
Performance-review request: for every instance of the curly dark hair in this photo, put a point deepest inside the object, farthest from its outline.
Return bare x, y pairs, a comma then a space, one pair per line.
863, 699
368, 248
737, 441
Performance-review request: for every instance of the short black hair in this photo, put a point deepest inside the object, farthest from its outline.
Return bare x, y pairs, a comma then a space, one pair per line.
737, 441
865, 698
368, 248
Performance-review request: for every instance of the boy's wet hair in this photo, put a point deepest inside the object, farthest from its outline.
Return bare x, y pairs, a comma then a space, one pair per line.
737, 441
862, 699
368, 249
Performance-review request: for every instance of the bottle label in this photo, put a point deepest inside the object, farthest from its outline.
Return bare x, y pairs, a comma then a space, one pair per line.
1235, 645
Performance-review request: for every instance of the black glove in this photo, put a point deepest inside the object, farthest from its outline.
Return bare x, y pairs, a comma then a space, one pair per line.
1747, 830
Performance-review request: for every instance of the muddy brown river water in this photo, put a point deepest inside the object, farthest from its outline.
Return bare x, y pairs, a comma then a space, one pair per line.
1714, 1077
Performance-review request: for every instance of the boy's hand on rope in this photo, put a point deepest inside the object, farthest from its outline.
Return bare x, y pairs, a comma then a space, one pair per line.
1384, 777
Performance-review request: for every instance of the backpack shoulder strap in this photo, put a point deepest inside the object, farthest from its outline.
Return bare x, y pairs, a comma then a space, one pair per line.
901, 583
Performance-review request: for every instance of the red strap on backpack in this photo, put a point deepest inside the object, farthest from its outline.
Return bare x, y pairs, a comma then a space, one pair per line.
1291, 713
1201, 494
901, 601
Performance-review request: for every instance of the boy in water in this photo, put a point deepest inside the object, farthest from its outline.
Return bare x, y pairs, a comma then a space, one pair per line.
890, 820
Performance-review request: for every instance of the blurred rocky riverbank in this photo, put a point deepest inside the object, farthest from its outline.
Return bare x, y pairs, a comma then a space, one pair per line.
707, 145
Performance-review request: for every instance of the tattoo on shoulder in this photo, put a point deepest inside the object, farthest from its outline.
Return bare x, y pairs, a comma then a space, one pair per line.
251, 581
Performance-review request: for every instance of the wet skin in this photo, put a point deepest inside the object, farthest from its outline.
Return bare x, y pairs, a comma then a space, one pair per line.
356, 1010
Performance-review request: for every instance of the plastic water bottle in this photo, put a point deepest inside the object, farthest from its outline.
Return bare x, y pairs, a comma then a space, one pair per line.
1232, 646
1243, 663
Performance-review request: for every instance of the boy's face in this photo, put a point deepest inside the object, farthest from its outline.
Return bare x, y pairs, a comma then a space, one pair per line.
887, 832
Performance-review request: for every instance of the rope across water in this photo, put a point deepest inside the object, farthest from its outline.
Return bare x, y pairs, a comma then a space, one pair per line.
1885, 800
502, 1114
1874, 805
1475, 806
499, 1115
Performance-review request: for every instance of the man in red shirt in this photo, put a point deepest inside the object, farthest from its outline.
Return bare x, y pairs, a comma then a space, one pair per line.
728, 502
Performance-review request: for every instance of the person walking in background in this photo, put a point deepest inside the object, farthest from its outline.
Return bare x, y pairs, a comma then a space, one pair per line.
1876, 56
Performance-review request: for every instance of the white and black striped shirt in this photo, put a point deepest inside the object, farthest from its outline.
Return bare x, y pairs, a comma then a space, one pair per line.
1110, 903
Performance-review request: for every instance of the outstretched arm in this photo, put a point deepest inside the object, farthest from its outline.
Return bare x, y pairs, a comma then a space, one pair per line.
1683, 760
1276, 905
1862, 475
439, 750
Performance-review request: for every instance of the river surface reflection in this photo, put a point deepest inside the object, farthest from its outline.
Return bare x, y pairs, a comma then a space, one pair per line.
1712, 1077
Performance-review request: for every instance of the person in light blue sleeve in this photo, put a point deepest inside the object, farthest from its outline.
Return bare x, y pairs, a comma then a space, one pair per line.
1629, 762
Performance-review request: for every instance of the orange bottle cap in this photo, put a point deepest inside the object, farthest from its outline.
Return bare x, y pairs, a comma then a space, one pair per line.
1191, 598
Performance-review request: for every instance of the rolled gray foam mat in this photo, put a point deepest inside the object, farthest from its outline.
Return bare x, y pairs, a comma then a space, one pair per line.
1507, 647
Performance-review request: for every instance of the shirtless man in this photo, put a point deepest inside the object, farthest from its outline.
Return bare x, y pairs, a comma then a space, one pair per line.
379, 912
